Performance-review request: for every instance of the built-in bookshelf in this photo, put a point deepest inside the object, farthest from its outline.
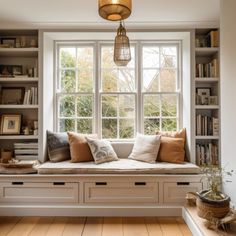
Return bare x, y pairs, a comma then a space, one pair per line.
207, 95
19, 95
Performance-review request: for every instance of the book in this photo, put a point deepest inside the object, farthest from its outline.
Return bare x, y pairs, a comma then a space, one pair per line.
26, 151
26, 157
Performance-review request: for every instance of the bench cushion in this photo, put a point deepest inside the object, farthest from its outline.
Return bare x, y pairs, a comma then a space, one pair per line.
122, 166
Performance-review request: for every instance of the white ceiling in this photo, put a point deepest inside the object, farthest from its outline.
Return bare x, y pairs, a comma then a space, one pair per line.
57, 13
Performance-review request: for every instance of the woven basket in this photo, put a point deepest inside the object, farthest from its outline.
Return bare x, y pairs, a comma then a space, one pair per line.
212, 209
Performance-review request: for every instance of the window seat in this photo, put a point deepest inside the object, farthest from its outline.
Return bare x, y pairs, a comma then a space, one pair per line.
122, 166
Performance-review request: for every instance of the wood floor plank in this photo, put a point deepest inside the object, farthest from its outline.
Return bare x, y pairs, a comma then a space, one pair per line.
24, 226
42, 226
153, 227
74, 226
93, 226
183, 227
112, 226
7, 224
134, 226
169, 226
57, 226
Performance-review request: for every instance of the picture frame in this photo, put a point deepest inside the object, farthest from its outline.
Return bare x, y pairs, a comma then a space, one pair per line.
10, 124
12, 95
11, 70
203, 94
9, 42
213, 100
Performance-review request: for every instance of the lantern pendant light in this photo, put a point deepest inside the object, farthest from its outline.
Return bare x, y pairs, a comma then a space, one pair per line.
122, 55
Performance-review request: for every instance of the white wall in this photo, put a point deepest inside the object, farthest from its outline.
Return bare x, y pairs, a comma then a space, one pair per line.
228, 91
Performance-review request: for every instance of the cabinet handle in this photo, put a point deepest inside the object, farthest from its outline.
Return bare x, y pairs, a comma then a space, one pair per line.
58, 183
140, 183
101, 183
183, 183
17, 183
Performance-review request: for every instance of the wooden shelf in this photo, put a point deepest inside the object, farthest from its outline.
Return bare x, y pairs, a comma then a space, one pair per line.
207, 137
19, 106
206, 80
206, 51
207, 107
19, 52
6, 137
18, 80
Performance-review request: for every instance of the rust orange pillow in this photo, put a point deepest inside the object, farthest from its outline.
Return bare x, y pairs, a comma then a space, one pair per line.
172, 150
79, 148
173, 134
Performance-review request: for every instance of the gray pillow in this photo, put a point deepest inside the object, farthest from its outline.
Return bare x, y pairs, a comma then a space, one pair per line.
101, 150
58, 146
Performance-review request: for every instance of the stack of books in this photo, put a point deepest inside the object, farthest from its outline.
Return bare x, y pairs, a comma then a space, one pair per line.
31, 96
209, 40
207, 154
210, 69
26, 151
206, 125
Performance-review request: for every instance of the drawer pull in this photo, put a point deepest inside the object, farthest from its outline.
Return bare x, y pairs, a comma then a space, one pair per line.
101, 183
58, 183
140, 183
17, 183
183, 183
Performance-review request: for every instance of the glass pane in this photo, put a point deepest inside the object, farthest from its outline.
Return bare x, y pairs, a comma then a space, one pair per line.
126, 128
151, 57
85, 80
169, 57
151, 126
107, 57
109, 128
131, 64
109, 106
67, 106
151, 105
168, 78
67, 81
66, 125
85, 57
67, 57
85, 106
169, 105
169, 124
109, 80
126, 80
126, 105
84, 126
151, 80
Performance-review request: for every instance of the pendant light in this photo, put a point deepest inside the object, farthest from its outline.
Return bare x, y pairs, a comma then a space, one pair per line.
122, 55
117, 10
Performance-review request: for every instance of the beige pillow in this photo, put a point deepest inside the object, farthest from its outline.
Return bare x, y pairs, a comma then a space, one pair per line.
172, 150
146, 148
79, 148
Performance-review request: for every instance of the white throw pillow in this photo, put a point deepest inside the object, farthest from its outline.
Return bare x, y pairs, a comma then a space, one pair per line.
101, 150
146, 148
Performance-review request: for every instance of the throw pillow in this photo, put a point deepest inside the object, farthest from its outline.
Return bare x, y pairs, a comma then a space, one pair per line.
58, 146
79, 148
172, 150
146, 148
102, 150
173, 134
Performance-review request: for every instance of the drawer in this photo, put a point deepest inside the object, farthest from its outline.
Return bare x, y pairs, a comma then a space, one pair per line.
55, 192
176, 192
112, 192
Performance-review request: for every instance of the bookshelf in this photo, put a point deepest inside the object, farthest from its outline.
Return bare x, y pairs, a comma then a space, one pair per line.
19, 84
206, 92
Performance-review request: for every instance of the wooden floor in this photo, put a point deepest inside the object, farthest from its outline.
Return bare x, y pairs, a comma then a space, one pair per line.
117, 226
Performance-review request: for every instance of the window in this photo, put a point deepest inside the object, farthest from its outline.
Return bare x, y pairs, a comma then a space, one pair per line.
93, 95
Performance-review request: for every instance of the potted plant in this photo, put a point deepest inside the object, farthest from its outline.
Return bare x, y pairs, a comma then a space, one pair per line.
212, 203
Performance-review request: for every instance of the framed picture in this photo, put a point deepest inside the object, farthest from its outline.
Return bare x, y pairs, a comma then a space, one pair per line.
12, 95
9, 42
10, 70
203, 94
213, 100
10, 124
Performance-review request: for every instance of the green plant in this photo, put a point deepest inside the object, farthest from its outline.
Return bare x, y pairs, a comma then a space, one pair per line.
214, 176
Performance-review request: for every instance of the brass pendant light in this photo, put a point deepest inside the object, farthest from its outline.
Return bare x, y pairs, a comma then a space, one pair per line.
122, 55
114, 10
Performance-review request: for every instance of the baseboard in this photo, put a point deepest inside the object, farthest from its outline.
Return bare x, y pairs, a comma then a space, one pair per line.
99, 211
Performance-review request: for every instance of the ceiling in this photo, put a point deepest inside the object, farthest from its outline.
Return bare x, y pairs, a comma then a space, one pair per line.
73, 13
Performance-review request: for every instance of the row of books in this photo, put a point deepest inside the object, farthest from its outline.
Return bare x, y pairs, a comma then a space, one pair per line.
208, 69
207, 154
207, 125
26, 151
209, 40
31, 96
